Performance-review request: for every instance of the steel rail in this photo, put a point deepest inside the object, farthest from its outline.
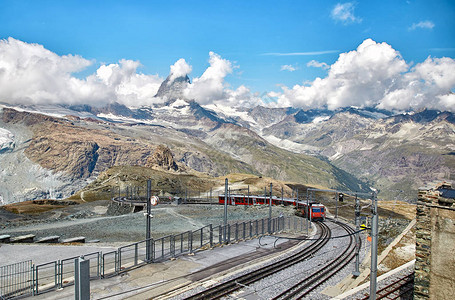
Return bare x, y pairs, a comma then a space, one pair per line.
234, 284
402, 285
311, 282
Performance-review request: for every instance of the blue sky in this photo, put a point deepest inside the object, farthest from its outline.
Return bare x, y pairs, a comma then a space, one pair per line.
249, 34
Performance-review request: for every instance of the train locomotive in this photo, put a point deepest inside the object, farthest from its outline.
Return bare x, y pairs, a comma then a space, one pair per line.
313, 210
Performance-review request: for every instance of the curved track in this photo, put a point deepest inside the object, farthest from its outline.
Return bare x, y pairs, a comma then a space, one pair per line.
311, 282
234, 284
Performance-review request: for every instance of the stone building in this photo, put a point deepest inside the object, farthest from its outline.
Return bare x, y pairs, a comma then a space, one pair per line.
435, 243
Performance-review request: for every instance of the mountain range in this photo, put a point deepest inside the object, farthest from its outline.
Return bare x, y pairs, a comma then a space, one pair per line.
55, 150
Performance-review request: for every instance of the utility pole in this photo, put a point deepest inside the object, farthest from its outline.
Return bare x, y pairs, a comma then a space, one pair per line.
356, 272
336, 207
307, 219
282, 195
248, 194
374, 247
148, 220
270, 210
225, 208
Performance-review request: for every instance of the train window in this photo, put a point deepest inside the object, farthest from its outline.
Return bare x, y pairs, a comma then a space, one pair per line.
316, 210
322, 209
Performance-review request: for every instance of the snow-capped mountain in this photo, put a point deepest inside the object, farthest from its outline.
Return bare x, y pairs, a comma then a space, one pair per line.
393, 152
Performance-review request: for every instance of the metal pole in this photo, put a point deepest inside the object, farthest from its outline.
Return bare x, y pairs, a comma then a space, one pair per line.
148, 220
225, 208
308, 206
248, 194
270, 210
356, 272
374, 248
282, 196
336, 207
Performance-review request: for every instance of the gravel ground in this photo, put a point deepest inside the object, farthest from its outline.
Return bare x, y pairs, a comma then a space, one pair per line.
383, 283
87, 221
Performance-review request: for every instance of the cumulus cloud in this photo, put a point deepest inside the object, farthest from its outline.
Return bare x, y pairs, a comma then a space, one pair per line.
375, 75
210, 85
345, 13
180, 69
316, 64
289, 68
31, 74
422, 25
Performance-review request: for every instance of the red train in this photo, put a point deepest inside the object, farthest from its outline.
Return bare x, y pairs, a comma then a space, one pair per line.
317, 210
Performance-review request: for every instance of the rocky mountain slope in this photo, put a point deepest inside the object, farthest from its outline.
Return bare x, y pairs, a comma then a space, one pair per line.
74, 144
395, 153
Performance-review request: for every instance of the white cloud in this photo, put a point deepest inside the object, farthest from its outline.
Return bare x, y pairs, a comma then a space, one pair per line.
375, 75
180, 69
29, 73
422, 25
345, 13
316, 64
289, 68
210, 85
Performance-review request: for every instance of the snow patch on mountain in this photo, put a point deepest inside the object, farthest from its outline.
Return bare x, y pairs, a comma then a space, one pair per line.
321, 119
6, 140
232, 112
290, 145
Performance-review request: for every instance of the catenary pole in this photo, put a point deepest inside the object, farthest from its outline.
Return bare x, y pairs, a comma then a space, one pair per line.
225, 208
356, 272
270, 210
374, 248
148, 220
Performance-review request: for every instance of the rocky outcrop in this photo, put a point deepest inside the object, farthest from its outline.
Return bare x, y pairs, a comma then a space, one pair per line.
162, 158
80, 152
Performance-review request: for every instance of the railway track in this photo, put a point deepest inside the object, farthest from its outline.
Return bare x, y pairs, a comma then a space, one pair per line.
311, 282
401, 288
239, 282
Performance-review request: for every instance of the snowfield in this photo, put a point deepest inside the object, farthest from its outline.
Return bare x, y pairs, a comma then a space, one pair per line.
6, 140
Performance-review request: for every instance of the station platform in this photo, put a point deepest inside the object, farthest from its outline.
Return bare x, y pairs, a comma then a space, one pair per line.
152, 280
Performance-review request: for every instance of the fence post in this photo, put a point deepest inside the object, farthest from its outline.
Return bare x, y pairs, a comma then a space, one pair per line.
202, 236
36, 281
220, 234
135, 254
244, 228
190, 237
119, 259
172, 245
211, 229
58, 269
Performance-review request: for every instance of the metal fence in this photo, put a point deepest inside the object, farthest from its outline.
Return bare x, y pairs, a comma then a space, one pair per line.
27, 279
16, 280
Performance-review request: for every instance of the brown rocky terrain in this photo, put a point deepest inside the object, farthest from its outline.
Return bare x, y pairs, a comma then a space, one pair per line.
62, 146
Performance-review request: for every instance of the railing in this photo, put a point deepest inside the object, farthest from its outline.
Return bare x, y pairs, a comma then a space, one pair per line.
28, 279
16, 280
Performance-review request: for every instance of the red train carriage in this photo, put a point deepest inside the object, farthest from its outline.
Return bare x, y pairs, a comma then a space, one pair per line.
235, 199
317, 210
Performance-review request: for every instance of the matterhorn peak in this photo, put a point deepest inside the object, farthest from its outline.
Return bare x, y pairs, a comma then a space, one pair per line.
173, 88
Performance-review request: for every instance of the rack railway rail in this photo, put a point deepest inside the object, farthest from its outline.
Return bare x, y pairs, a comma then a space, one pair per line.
401, 288
305, 286
311, 282
234, 284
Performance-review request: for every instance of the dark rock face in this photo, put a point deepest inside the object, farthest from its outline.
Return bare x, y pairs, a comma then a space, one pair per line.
163, 158
173, 89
